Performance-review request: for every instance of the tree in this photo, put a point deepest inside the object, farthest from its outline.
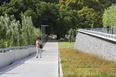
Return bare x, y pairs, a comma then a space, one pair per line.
67, 19
15, 7
71, 35
109, 17
50, 1
30, 12
14, 33
2, 1
97, 5
89, 18
9, 31
95, 9
47, 15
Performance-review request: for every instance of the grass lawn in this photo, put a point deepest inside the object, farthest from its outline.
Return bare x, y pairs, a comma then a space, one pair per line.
66, 44
76, 63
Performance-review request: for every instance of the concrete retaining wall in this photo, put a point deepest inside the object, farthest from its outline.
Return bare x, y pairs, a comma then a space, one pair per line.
96, 45
13, 55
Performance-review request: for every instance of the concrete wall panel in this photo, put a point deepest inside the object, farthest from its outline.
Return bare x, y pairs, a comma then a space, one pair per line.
13, 55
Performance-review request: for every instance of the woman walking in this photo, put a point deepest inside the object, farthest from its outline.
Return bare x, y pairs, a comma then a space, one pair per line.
39, 47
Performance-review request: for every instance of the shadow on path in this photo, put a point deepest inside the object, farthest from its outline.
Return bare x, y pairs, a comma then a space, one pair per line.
52, 40
15, 64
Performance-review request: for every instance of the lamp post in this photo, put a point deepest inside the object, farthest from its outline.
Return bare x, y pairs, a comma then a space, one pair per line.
43, 32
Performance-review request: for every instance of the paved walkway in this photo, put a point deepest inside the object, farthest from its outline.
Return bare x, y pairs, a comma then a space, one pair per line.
47, 66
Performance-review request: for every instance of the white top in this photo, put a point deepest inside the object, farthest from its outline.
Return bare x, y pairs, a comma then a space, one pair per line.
38, 43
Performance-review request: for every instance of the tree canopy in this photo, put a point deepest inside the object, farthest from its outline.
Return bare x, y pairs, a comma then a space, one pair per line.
89, 11
60, 15
109, 17
89, 18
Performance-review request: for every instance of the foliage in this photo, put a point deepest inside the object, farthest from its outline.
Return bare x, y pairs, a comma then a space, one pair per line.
43, 12
48, 14
89, 18
12, 33
15, 7
71, 35
89, 11
97, 5
51, 1
59, 16
109, 17
67, 19
76, 63
2, 1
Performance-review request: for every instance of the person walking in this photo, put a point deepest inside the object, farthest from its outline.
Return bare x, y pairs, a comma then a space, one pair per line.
39, 47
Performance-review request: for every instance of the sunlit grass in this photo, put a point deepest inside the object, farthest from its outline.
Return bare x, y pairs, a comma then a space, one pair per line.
76, 63
66, 44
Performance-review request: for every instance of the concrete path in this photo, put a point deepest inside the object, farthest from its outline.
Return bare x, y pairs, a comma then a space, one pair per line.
47, 66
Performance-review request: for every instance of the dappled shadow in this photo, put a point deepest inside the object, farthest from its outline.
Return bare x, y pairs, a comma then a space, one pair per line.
15, 64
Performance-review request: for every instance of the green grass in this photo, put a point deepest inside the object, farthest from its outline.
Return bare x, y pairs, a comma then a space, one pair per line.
76, 63
66, 44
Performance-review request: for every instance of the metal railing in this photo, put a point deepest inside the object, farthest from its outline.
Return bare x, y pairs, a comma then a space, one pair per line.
3, 50
104, 30
104, 35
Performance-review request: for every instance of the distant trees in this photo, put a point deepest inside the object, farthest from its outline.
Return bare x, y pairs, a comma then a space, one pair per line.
59, 16
68, 18
43, 12
98, 5
89, 18
109, 17
89, 11
50, 1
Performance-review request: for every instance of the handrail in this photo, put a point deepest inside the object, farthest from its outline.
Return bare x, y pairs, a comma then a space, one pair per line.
104, 30
15, 47
111, 37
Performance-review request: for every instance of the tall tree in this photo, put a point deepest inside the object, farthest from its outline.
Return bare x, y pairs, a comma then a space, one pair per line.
109, 17
47, 14
67, 19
